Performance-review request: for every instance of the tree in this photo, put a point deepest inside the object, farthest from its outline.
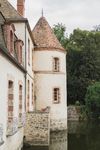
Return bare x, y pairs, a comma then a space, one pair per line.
92, 99
83, 60
60, 32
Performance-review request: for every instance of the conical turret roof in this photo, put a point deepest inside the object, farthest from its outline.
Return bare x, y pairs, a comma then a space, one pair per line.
44, 36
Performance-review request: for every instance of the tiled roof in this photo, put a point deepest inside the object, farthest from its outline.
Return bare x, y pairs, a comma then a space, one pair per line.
8, 10
44, 37
2, 20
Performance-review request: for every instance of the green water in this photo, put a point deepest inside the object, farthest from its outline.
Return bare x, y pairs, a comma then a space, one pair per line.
84, 135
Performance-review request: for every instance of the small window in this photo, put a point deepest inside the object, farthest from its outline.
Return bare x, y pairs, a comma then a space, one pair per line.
56, 95
56, 64
28, 51
32, 95
28, 94
11, 42
10, 101
20, 101
20, 57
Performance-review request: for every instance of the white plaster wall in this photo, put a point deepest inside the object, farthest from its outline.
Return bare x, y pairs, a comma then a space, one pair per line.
31, 106
23, 33
8, 70
43, 60
46, 80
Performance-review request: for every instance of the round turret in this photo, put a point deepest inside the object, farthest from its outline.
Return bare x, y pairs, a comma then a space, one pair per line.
50, 74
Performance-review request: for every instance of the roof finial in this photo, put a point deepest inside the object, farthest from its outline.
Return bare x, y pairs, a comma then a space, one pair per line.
42, 12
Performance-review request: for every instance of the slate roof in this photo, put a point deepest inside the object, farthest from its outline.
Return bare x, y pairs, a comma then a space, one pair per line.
44, 36
2, 39
8, 10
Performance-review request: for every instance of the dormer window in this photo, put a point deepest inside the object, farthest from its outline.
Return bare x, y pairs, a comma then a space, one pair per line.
9, 30
56, 64
19, 44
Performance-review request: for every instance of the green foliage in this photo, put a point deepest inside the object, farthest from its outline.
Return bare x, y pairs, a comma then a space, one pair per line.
83, 60
93, 99
59, 31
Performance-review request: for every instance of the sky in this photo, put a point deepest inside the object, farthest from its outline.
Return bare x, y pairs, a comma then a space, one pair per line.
83, 14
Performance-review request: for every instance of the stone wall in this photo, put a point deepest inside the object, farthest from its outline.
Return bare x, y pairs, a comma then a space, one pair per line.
73, 113
37, 129
58, 140
58, 124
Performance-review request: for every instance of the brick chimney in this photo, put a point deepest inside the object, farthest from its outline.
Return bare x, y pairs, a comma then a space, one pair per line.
21, 7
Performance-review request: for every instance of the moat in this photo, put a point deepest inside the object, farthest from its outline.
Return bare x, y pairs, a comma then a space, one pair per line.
84, 135
81, 136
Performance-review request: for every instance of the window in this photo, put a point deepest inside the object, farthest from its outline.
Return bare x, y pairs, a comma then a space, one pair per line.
10, 101
28, 51
32, 95
56, 64
20, 101
56, 95
28, 94
11, 42
20, 55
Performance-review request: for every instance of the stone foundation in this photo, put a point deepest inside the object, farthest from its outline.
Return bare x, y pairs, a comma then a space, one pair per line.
58, 124
37, 128
58, 140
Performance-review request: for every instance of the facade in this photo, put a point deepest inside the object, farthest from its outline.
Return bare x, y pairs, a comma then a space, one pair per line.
50, 74
33, 75
23, 31
12, 85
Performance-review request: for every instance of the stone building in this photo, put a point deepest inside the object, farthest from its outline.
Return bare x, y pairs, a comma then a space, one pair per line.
12, 85
50, 74
23, 31
33, 76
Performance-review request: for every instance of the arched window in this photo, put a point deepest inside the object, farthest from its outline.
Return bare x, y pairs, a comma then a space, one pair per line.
56, 64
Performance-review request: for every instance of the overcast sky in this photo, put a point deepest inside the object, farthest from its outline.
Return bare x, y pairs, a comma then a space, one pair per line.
73, 14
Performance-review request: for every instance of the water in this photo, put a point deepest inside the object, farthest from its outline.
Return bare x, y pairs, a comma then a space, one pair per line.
81, 136
58, 141
84, 135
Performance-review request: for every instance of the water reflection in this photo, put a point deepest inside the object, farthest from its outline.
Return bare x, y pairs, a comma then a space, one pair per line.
58, 141
84, 135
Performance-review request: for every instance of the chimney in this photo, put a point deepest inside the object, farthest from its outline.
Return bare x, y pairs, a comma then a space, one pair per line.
21, 7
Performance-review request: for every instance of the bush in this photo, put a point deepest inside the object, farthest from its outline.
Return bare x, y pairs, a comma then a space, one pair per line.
92, 100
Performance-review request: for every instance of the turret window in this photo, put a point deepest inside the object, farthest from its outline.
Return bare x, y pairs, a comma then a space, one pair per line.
56, 64
56, 95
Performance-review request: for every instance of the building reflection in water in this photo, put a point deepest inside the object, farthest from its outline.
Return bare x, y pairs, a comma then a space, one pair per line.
58, 141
